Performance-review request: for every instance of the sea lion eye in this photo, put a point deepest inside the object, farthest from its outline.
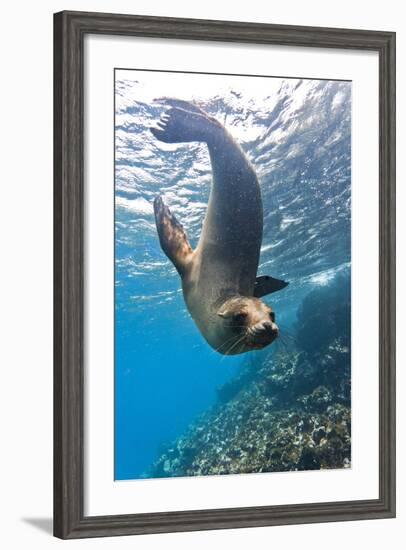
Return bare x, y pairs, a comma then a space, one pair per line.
272, 316
239, 317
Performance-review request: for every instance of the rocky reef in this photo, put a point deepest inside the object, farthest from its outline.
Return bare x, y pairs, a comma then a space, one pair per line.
288, 409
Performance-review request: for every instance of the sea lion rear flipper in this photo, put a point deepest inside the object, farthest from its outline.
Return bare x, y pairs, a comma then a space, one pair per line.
184, 122
266, 285
172, 236
180, 103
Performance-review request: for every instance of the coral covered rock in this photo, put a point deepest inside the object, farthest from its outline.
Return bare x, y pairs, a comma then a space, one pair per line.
287, 410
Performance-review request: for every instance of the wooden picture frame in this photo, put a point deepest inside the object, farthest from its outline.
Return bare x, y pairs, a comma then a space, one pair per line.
69, 31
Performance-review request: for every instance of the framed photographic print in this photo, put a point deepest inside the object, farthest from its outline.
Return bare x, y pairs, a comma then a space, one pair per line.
224, 274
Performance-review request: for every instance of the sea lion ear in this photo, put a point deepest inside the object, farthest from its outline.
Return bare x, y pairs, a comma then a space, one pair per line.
223, 312
266, 285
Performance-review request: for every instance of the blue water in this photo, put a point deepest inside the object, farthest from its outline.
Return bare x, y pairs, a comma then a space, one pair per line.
297, 133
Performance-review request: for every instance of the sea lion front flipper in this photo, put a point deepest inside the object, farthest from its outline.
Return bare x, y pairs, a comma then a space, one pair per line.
266, 285
172, 236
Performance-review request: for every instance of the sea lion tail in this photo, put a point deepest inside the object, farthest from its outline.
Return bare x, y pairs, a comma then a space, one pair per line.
184, 122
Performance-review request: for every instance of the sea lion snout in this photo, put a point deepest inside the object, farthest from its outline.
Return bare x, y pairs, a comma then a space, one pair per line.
263, 332
266, 327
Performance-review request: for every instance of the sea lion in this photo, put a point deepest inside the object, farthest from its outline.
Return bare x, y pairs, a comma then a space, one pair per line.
219, 278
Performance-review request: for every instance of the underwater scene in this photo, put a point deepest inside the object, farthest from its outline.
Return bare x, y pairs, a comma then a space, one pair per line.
267, 395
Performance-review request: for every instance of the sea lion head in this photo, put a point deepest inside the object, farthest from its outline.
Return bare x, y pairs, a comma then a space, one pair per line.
247, 324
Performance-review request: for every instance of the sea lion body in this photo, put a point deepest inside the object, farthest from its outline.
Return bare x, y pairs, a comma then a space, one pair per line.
226, 259
219, 278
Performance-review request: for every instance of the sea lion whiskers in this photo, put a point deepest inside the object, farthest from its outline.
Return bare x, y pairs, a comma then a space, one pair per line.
288, 335
226, 342
234, 345
287, 343
281, 345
